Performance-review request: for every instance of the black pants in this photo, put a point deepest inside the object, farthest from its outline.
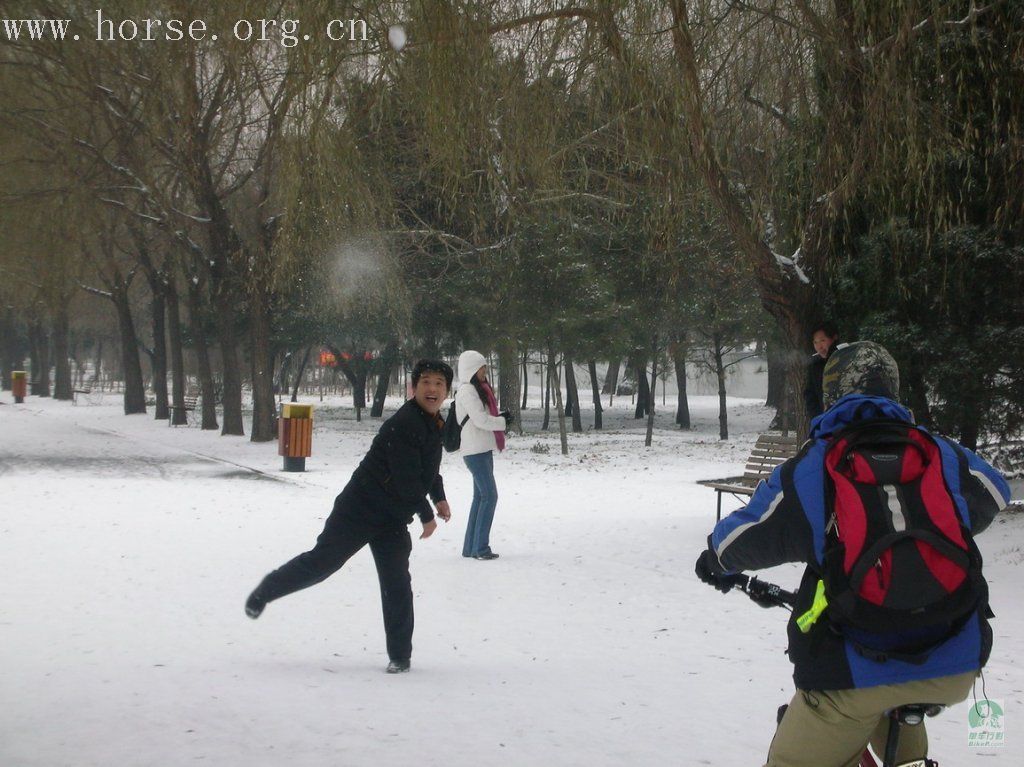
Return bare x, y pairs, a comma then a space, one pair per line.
355, 522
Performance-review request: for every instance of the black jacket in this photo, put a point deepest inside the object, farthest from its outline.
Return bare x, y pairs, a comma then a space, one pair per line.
813, 398
401, 466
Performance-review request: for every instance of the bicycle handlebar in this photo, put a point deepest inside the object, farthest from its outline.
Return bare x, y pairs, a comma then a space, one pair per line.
763, 592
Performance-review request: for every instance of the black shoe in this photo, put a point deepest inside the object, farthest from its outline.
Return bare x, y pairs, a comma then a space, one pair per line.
486, 556
397, 667
254, 605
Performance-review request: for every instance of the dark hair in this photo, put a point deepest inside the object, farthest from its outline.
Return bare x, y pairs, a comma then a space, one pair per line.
433, 366
479, 386
827, 327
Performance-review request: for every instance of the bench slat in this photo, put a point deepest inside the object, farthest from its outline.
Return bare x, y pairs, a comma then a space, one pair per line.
786, 439
787, 452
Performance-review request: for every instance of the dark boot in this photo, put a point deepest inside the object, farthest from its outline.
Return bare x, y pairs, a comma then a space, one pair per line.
397, 667
254, 604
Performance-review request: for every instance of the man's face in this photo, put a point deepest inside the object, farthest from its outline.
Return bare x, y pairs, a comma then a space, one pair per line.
430, 391
822, 342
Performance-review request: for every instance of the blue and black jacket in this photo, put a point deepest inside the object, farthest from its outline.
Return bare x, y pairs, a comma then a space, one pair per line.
785, 522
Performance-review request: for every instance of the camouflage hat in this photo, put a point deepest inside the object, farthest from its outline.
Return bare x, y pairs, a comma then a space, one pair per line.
862, 367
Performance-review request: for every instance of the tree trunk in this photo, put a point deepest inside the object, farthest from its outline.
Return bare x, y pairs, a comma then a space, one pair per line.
231, 383
970, 428
787, 373
508, 382
159, 359
61, 358
682, 402
385, 365
795, 410
176, 356
264, 416
204, 369
776, 373
548, 375
611, 378
355, 372
556, 385
572, 395
283, 371
134, 389
298, 376
526, 385
39, 359
643, 390
97, 367
723, 413
596, 392
649, 439
359, 390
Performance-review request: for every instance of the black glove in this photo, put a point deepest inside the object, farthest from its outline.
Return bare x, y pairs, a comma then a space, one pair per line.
507, 416
710, 571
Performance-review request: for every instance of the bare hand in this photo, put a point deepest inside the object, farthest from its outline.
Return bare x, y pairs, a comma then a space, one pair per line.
444, 511
428, 529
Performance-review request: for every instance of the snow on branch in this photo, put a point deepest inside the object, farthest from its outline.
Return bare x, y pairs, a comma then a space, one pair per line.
198, 219
96, 291
138, 214
583, 196
772, 109
793, 262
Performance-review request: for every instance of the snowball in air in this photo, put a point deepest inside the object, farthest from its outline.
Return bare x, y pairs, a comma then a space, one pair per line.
396, 36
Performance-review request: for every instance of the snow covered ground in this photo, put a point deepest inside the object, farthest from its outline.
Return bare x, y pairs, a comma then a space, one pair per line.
128, 548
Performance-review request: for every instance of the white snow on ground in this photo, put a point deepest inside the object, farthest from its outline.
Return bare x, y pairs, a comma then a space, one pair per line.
128, 548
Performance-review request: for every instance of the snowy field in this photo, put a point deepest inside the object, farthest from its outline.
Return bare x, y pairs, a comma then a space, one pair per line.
128, 548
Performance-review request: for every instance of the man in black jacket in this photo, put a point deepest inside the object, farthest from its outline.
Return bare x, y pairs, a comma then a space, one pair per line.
824, 337
388, 487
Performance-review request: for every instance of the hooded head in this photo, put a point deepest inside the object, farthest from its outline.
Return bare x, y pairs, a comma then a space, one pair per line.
469, 362
862, 367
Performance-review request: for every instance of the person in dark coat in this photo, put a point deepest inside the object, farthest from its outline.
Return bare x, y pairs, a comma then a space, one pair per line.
389, 486
825, 337
843, 692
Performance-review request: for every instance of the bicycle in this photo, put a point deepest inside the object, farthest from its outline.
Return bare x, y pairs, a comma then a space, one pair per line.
911, 715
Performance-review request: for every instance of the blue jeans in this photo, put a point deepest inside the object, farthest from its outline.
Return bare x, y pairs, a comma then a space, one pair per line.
485, 499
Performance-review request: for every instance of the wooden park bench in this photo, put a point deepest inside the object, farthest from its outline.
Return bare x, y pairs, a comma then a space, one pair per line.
189, 402
85, 390
769, 451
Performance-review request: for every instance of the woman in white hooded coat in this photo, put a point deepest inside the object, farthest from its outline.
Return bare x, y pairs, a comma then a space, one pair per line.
482, 434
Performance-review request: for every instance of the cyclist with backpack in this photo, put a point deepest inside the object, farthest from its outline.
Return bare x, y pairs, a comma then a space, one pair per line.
483, 433
892, 608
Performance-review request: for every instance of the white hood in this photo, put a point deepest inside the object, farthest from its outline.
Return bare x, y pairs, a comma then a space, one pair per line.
469, 362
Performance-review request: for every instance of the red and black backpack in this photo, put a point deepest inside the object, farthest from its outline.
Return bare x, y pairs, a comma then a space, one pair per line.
898, 559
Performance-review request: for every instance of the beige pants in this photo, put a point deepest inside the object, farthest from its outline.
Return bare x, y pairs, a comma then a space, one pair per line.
831, 728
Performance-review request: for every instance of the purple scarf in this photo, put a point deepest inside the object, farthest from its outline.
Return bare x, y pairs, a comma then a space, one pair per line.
492, 406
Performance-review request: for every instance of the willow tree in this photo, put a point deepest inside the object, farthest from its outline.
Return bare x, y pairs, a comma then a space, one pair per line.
848, 127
